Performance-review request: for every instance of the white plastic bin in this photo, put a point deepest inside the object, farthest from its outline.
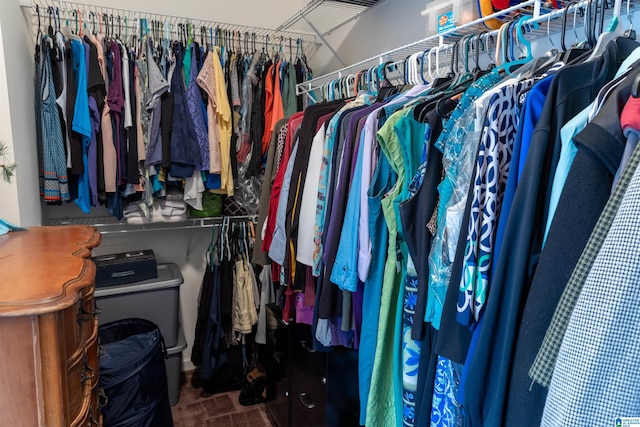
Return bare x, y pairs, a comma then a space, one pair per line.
463, 12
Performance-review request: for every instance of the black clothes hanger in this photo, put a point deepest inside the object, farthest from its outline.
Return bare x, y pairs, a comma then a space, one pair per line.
50, 30
478, 72
573, 53
635, 88
38, 38
75, 16
92, 17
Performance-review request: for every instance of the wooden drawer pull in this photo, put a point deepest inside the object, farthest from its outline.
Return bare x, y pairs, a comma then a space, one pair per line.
87, 373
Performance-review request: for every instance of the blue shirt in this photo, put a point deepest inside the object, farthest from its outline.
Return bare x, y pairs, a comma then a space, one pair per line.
345, 273
278, 246
82, 120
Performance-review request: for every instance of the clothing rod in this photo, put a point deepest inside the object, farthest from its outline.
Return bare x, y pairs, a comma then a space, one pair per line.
67, 7
423, 44
549, 24
107, 225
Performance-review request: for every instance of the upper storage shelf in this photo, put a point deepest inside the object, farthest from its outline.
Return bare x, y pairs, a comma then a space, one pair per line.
129, 20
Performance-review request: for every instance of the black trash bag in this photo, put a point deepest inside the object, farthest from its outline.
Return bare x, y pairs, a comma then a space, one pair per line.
133, 375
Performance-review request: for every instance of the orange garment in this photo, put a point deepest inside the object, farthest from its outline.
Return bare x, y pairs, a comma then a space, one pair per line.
278, 107
268, 109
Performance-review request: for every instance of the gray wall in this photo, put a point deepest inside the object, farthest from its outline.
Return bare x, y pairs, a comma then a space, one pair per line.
388, 25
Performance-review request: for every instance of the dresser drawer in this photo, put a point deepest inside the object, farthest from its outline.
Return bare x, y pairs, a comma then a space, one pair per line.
88, 314
89, 418
76, 386
73, 329
93, 364
82, 380
83, 420
46, 320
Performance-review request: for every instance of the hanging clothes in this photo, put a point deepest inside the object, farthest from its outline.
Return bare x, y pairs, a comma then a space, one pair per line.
54, 181
185, 151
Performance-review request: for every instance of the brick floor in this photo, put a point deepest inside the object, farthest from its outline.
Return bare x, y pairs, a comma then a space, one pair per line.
196, 409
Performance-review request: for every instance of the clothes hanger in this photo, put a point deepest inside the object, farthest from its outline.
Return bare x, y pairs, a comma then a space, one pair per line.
58, 53
397, 77
635, 88
126, 30
389, 88
462, 78
414, 65
419, 68
350, 82
521, 26
411, 69
105, 20
405, 69
437, 68
92, 17
439, 86
443, 78
483, 46
630, 32
83, 23
553, 49
574, 52
371, 81
613, 31
477, 71
540, 65
50, 30
38, 44
497, 54
56, 20
430, 64
476, 43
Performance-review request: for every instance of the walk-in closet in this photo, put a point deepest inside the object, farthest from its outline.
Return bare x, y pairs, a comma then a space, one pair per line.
381, 213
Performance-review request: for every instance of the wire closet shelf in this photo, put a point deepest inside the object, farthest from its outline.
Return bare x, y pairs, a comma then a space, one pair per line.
110, 225
543, 22
128, 20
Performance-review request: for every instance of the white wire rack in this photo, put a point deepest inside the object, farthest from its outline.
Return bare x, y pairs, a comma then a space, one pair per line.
543, 23
110, 225
327, 15
400, 53
128, 20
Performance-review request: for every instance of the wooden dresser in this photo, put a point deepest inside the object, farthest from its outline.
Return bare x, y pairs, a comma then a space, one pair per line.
48, 328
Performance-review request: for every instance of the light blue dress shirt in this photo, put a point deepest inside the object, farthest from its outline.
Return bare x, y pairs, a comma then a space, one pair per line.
279, 243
